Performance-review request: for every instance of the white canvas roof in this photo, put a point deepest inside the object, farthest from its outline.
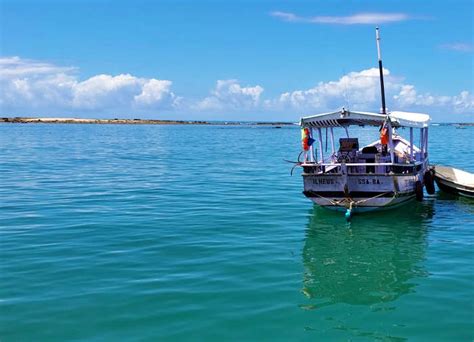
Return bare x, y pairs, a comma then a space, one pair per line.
348, 118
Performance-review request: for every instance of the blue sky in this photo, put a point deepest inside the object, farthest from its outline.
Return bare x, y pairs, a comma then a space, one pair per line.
231, 60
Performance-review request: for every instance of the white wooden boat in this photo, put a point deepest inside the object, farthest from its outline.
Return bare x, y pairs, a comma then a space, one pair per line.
366, 178
384, 174
454, 181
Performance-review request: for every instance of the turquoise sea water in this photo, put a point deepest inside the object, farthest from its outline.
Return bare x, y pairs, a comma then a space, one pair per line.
185, 233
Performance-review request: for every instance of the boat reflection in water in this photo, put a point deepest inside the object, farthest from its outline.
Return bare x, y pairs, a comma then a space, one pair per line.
374, 259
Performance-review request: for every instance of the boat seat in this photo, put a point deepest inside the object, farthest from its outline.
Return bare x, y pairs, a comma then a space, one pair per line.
370, 149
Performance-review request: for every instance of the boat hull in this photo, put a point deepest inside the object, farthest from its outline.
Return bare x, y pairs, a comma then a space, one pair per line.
359, 192
453, 188
369, 204
454, 181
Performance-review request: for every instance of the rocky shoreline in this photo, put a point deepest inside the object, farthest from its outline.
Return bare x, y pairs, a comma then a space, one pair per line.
277, 124
129, 121
100, 121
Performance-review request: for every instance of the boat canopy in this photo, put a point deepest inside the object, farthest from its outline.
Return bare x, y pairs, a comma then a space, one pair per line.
345, 118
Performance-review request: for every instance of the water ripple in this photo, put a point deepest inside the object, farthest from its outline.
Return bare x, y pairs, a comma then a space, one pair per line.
184, 232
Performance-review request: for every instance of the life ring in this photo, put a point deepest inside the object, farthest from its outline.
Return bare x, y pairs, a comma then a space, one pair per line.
305, 135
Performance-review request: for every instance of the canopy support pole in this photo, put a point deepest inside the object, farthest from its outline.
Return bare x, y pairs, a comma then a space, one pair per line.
390, 142
422, 143
311, 149
426, 142
333, 148
321, 155
411, 143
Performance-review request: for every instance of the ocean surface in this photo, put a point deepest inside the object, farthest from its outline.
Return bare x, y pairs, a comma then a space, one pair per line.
199, 233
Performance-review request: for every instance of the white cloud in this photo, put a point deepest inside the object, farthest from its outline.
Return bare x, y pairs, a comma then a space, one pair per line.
464, 102
408, 97
35, 88
355, 19
18, 67
461, 47
154, 92
105, 91
29, 85
361, 91
356, 90
229, 94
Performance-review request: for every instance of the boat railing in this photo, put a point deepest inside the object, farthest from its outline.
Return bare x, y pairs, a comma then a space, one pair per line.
360, 164
361, 168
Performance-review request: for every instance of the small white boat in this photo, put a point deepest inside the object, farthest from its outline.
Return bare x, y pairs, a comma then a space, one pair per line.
374, 176
386, 173
454, 181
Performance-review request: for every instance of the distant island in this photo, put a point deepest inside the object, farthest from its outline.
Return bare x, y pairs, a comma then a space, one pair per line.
131, 121
453, 124
277, 124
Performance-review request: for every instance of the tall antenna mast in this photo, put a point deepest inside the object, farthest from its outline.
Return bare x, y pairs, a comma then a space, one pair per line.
382, 88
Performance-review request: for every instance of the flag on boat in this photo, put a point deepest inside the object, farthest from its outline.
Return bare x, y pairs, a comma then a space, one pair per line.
306, 139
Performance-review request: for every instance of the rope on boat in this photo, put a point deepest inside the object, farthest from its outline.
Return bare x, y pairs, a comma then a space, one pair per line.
296, 163
379, 195
350, 201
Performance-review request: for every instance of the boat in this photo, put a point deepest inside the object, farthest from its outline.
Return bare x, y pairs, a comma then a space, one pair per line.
454, 181
386, 173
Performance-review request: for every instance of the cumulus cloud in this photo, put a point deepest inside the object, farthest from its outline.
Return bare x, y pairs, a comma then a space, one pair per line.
361, 91
32, 83
356, 89
105, 90
37, 86
154, 91
464, 102
229, 94
355, 19
408, 97
31, 87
